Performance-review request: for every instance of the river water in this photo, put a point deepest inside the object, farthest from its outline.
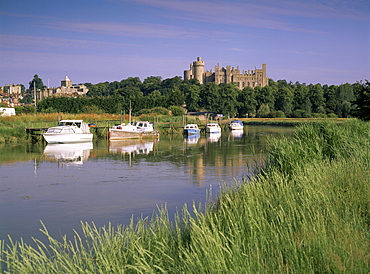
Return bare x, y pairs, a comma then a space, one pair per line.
101, 182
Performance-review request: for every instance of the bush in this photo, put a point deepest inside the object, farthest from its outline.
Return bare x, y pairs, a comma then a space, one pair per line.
176, 110
299, 113
276, 114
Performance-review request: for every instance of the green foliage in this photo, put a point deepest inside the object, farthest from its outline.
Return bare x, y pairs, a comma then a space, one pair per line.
176, 110
263, 111
295, 100
362, 102
37, 83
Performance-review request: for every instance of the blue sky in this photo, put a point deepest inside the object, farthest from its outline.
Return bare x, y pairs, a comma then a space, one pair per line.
95, 41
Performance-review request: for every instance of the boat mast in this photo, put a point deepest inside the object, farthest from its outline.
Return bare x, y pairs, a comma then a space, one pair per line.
34, 90
129, 115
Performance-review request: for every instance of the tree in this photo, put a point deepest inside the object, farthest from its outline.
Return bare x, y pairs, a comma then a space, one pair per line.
37, 83
192, 97
247, 102
302, 101
263, 111
266, 96
284, 100
176, 97
150, 84
317, 98
362, 102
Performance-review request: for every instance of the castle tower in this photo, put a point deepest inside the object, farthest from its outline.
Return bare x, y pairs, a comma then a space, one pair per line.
66, 82
198, 70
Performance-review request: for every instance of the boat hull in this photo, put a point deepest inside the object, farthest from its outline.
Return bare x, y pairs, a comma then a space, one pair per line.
61, 138
191, 131
237, 127
122, 135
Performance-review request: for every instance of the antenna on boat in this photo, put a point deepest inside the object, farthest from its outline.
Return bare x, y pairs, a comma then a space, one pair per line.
129, 115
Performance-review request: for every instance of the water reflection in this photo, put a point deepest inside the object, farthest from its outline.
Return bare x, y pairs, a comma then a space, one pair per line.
213, 137
236, 133
75, 153
192, 139
135, 146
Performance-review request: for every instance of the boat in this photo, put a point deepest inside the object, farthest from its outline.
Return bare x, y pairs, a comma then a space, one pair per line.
236, 125
68, 131
191, 129
134, 130
213, 128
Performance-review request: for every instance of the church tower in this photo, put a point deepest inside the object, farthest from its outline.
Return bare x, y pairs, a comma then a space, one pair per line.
66, 82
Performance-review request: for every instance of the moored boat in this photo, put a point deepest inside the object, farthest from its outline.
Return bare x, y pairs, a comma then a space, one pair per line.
134, 130
68, 131
191, 129
236, 125
213, 128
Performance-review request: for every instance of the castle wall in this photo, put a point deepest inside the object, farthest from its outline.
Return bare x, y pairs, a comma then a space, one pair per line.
250, 78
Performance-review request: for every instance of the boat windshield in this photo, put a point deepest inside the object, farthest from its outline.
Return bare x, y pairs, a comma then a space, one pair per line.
70, 123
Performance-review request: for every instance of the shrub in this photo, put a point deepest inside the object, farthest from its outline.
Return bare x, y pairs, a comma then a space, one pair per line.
176, 110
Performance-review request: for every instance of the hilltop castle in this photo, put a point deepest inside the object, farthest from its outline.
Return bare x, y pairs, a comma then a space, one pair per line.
250, 78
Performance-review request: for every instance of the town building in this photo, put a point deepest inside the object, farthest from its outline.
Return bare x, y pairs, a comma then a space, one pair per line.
66, 89
249, 78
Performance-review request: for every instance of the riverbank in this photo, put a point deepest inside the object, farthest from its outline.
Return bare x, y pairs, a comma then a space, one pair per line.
307, 211
12, 128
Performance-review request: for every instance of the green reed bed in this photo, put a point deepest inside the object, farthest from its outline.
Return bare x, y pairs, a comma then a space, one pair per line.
307, 211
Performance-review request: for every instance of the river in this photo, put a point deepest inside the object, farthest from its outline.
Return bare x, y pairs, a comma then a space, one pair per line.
101, 182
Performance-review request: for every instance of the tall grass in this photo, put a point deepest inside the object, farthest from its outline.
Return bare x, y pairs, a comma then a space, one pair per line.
308, 211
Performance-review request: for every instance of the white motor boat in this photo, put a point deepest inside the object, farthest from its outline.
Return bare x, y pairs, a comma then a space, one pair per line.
213, 128
136, 130
236, 125
191, 129
68, 131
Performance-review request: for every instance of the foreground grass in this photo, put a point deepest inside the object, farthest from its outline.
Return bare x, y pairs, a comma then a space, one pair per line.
306, 212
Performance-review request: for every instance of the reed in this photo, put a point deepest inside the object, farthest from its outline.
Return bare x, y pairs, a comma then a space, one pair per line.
308, 211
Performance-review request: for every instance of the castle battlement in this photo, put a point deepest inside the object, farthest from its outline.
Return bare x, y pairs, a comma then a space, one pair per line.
249, 78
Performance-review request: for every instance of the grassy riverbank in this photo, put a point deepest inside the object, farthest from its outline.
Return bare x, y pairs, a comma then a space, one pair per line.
307, 211
12, 128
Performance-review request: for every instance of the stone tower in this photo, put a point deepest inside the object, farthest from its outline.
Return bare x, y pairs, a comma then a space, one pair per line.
196, 71
66, 82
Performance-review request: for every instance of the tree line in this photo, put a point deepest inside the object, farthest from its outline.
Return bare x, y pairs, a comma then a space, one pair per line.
278, 99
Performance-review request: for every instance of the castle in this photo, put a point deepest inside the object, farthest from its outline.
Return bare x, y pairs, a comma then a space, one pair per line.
66, 89
250, 78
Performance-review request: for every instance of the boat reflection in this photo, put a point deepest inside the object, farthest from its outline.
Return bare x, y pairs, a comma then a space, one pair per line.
213, 137
75, 153
131, 146
192, 139
237, 133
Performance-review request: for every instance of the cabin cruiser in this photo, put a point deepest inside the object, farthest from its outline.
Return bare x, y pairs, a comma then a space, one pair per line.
138, 130
213, 128
191, 129
236, 125
68, 131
